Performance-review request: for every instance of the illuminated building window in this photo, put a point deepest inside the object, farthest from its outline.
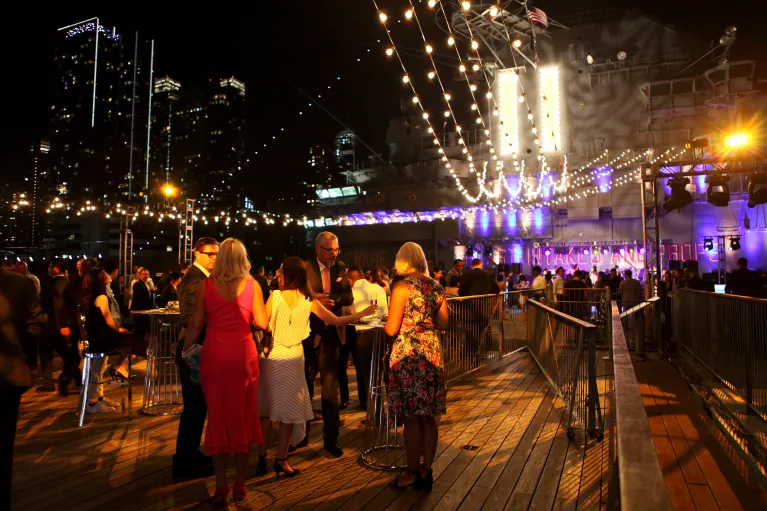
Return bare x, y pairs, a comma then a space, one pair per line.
508, 107
551, 129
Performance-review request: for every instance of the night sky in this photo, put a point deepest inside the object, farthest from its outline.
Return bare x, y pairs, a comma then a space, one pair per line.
274, 46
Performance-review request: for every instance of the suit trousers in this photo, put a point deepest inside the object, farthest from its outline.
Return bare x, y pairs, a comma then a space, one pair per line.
192, 420
362, 351
344, 351
10, 399
324, 359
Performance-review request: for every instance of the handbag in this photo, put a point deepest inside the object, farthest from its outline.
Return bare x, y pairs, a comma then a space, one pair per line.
263, 339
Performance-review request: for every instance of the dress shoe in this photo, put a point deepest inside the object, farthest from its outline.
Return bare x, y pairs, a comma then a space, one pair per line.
299, 445
192, 467
317, 415
334, 449
344, 405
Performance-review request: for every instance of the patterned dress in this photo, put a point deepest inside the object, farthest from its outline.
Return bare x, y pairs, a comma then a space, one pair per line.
416, 375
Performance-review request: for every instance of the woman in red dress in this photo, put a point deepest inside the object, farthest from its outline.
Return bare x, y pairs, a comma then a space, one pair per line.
226, 305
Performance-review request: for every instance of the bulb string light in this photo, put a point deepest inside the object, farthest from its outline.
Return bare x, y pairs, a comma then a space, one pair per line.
406, 80
447, 98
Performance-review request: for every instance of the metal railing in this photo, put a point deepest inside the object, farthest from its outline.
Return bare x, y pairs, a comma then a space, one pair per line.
637, 480
482, 329
591, 305
727, 334
565, 349
642, 322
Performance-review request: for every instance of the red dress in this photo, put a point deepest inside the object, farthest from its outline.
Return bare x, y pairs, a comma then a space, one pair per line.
229, 373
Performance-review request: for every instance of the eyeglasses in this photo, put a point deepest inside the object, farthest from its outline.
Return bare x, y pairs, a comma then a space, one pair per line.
331, 250
210, 254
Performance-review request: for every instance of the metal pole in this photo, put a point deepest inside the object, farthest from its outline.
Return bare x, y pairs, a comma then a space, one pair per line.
132, 121
149, 121
95, 73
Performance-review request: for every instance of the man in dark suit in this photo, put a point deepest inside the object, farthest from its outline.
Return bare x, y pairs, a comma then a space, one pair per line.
743, 281
328, 280
189, 462
261, 279
52, 298
477, 282
22, 323
142, 301
170, 292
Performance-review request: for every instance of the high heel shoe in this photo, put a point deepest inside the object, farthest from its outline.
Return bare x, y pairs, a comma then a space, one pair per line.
239, 492
219, 498
415, 484
261, 467
426, 482
117, 375
279, 468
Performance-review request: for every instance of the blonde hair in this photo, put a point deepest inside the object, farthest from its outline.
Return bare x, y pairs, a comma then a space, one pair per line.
411, 257
232, 262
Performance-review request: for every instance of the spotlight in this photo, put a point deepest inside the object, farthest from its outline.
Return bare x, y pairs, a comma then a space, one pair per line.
718, 191
735, 243
622, 251
641, 250
708, 244
736, 140
631, 250
757, 195
547, 252
679, 196
595, 250
605, 250
585, 251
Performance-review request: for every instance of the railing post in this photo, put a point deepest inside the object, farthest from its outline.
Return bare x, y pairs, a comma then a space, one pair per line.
640, 331
593, 390
502, 314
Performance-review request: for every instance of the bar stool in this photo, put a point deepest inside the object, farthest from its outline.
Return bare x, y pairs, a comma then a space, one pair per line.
384, 441
89, 357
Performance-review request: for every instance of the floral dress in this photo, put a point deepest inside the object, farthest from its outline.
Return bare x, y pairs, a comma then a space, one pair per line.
416, 375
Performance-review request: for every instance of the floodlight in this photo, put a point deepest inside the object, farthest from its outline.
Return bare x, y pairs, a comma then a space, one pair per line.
680, 197
718, 191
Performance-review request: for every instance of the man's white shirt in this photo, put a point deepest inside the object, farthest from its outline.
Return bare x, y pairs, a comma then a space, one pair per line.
365, 291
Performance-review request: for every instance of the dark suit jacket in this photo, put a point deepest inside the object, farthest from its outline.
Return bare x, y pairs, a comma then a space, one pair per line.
477, 282
142, 298
264, 286
169, 294
52, 300
23, 321
74, 300
186, 293
744, 282
340, 290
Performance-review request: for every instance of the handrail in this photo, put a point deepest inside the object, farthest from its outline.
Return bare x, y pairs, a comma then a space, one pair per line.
565, 318
472, 297
640, 306
723, 296
640, 477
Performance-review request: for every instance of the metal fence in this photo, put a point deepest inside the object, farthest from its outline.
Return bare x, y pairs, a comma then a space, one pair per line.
590, 305
565, 349
728, 334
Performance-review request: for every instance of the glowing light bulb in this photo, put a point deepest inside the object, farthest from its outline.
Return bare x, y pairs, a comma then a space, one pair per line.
479, 121
474, 107
405, 79
415, 99
430, 130
447, 97
466, 5
517, 43
495, 113
431, 75
475, 45
489, 95
429, 49
494, 11
462, 68
389, 52
383, 17
409, 14
530, 116
475, 67
522, 98
447, 113
432, 3
450, 41
473, 88
426, 115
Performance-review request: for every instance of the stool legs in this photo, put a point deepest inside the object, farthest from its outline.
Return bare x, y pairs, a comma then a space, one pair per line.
84, 389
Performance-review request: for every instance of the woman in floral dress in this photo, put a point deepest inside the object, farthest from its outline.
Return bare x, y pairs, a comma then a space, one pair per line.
417, 390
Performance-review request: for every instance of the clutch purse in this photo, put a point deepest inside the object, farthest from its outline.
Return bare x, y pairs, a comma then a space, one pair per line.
192, 358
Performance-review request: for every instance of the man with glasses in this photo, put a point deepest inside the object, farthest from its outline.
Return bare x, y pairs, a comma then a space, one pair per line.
189, 461
328, 280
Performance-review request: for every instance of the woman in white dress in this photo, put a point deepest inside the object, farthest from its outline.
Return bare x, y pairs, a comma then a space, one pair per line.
283, 396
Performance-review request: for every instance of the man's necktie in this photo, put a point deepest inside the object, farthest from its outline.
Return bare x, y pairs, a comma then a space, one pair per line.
326, 280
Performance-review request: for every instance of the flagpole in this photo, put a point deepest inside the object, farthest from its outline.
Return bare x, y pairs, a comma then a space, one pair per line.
532, 32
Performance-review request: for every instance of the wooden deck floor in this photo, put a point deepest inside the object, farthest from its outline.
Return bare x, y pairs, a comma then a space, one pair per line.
522, 459
702, 469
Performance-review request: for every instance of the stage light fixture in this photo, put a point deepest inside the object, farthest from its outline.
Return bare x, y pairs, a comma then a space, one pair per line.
585, 251
708, 244
735, 243
622, 251
718, 191
641, 250
547, 252
697, 143
679, 196
631, 250
605, 250
757, 195
595, 250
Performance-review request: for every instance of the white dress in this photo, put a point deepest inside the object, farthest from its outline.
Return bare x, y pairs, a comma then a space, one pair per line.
282, 392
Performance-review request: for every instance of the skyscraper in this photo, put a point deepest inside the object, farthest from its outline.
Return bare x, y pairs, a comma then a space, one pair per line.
164, 152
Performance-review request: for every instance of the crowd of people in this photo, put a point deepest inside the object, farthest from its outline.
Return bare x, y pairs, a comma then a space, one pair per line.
252, 344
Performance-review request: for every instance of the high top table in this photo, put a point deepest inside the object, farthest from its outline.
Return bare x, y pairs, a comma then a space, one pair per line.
162, 389
384, 446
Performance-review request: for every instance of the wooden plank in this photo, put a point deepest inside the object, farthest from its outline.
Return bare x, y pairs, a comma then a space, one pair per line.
570, 481
703, 498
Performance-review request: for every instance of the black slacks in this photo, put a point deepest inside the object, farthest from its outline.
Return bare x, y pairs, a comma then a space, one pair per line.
324, 359
344, 350
362, 351
192, 419
10, 398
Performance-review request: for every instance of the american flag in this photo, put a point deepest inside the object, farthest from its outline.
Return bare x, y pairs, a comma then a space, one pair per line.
536, 15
